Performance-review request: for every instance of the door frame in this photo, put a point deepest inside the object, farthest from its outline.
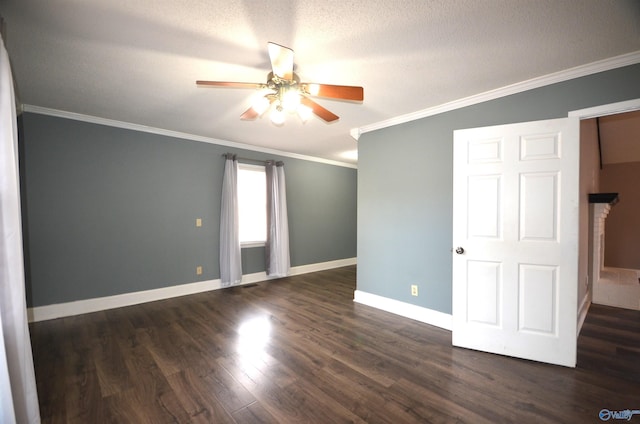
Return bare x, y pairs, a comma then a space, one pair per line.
606, 109
588, 113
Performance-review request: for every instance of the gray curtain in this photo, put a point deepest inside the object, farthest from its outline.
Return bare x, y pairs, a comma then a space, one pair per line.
277, 246
18, 395
230, 260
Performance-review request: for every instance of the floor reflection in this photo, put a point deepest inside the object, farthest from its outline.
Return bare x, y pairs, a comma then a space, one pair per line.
253, 337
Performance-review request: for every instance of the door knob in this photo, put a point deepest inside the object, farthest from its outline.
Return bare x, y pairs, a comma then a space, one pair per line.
459, 250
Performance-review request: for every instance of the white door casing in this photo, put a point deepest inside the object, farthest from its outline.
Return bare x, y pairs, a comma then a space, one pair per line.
515, 214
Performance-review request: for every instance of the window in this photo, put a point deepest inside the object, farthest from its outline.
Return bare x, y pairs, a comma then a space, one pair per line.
252, 204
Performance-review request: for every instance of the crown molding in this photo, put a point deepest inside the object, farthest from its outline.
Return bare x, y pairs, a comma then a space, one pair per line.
568, 74
176, 134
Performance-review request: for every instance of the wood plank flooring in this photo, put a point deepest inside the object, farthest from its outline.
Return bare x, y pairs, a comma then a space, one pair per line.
299, 350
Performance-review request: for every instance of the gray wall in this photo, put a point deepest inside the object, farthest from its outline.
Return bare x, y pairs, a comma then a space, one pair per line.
110, 211
405, 184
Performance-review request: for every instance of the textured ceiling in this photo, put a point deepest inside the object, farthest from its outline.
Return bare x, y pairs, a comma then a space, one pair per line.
137, 61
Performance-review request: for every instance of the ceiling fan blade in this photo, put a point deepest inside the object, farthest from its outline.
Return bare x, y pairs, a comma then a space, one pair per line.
345, 92
323, 113
281, 61
258, 108
231, 84
249, 114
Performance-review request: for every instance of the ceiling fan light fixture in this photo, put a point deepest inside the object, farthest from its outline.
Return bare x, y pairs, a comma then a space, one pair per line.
290, 100
314, 89
260, 104
277, 115
304, 112
283, 91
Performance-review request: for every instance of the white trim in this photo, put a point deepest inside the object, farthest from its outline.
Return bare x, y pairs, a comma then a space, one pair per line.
299, 270
251, 244
60, 310
407, 310
168, 133
568, 74
252, 167
322, 266
608, 109
582, 312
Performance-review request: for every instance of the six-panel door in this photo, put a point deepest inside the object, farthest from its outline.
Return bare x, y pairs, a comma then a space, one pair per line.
516, 217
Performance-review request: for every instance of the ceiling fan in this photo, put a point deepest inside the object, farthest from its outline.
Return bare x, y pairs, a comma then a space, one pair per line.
284, 90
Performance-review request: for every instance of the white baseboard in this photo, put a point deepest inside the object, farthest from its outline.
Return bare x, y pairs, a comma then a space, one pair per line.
60, 310
407, 310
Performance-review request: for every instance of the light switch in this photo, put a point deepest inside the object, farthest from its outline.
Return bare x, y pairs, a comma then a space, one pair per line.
198, 222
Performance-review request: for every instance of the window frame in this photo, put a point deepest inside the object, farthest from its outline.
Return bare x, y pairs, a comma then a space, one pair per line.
260, 168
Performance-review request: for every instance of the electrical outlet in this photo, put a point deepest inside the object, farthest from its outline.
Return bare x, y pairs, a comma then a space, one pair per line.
198, 222
199, 270
414, 290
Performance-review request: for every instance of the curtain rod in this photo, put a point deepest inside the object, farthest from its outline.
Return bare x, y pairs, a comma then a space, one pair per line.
277, 163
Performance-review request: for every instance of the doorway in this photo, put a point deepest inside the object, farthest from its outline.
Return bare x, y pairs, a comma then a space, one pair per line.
610, 163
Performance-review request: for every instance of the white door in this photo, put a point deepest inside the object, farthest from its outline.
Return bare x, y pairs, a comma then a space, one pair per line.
515, 235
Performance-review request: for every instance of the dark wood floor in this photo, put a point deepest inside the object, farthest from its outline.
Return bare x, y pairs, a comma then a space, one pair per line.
299, 350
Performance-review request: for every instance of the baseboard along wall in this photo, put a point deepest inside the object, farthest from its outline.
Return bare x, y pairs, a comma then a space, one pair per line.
61, 310
407, 310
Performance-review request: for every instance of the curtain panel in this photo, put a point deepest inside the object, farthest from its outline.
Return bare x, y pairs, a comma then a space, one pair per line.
277, 246
18, 394
230, 259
